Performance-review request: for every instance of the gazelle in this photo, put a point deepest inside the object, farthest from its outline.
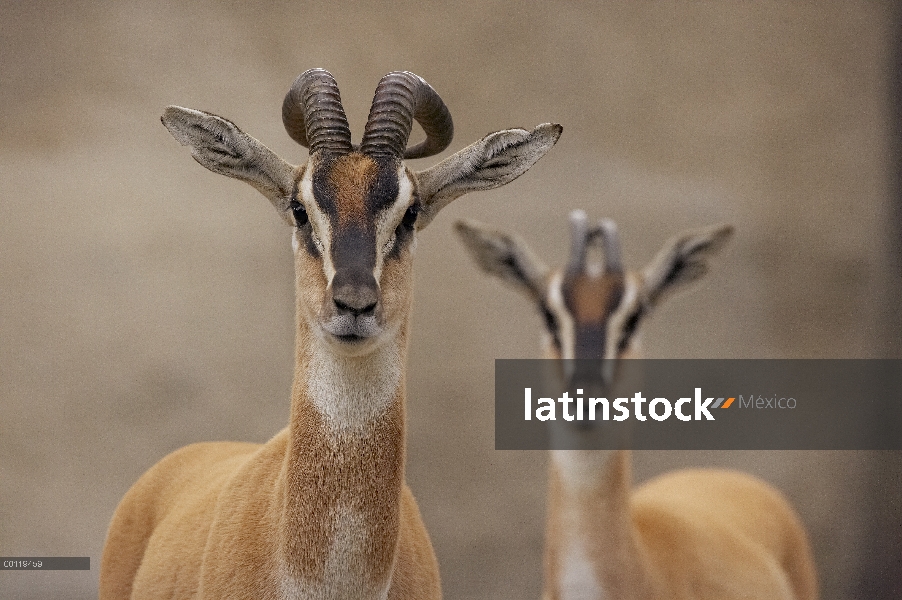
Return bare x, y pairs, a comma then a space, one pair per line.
696, 533
322, 509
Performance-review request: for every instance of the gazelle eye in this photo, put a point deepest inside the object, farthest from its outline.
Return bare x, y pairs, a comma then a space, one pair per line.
410, 216
299, 212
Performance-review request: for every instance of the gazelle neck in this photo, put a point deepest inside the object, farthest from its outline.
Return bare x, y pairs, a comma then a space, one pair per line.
344, 469
593, 551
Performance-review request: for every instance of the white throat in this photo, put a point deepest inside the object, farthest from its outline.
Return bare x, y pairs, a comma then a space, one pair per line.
581, 474
352, 392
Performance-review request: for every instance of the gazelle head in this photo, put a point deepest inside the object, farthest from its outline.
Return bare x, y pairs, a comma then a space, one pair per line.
593, 307
356, 209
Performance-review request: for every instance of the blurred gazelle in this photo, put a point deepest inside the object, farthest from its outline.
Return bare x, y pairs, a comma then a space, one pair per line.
695, 533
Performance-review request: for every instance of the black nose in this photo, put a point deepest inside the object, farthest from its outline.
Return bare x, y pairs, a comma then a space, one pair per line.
354, 292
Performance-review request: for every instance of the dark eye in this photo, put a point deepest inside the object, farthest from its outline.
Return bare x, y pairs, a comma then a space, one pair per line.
299, 212
410, 216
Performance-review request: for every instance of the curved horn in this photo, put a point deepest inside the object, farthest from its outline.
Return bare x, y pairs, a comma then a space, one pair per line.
579, 232
610, 242
313, 114
401, 97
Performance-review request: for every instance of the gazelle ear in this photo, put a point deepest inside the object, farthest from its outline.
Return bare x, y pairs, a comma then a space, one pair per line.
219, 145
683, 260
505, 256
493, 161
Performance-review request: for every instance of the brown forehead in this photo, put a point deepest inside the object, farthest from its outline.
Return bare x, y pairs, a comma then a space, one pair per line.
350, 178
593, 299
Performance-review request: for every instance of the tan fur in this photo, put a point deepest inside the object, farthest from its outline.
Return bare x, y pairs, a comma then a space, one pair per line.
699, 534
367, 462
690, 534
321, 510
227, 520
351, 177
593, 298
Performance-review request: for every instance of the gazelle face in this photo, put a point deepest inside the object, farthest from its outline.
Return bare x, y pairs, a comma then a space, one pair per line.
355, 223
592, 308
356, 209
586, 314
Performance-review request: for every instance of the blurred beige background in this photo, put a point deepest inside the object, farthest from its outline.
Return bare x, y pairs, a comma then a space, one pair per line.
146, 303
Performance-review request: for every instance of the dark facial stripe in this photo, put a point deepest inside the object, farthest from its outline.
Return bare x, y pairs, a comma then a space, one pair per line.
403, 237
590, 340
354, 250
352, 191
384, 190
629, 328
551, 325
354, 188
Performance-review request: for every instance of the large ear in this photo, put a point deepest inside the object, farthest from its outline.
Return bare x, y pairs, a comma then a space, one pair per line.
683, 259
505, 256
493, 161
220, 146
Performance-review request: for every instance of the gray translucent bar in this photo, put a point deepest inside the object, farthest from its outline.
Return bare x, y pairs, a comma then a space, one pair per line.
45, 563
750, 404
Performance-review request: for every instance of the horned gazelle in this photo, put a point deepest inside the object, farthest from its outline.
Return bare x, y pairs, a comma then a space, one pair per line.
322, 509
696, 533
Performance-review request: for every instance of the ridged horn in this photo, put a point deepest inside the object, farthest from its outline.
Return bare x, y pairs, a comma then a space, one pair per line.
313, 114
401, 97
579, 233
610, 243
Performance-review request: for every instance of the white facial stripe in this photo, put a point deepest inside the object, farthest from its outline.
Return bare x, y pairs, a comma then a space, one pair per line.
322, 230
566, 331
618, 318
616, 321
385, 225
389, 219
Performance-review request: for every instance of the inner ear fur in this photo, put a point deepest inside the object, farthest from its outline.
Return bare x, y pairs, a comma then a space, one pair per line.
683, 260
493, 161
220, 146
505, 256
